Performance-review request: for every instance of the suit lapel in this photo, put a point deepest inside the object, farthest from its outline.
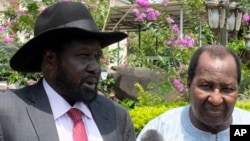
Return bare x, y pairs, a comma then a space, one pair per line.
104, 118
40, 114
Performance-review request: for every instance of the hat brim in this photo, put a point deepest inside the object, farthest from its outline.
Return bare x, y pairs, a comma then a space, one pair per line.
29, 57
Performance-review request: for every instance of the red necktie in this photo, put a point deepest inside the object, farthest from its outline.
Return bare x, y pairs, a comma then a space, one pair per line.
79, 132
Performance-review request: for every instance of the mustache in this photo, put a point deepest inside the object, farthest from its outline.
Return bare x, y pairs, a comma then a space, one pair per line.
89, 77
215, 108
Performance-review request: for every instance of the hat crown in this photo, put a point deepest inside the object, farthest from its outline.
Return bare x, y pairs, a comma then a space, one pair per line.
65, 14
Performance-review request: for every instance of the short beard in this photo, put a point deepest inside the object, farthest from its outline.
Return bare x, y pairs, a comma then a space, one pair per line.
73, 92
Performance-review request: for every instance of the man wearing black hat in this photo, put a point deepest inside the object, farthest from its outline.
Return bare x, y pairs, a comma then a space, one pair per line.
64, 104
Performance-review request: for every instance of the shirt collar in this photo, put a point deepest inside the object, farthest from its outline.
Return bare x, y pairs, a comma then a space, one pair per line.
60, 106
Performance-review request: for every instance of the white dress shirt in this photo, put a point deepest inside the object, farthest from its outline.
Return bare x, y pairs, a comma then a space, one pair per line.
63, 122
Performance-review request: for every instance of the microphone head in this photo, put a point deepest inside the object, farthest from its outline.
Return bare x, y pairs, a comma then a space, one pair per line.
151, 135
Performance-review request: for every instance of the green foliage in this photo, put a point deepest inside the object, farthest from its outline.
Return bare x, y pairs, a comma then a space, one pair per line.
238, 47
147, 99
142, 114
105, 86
245, 4
99, 9
128, 103
243, 105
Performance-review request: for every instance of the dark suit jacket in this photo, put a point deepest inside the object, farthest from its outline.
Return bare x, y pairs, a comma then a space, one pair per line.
26, 115
1, 133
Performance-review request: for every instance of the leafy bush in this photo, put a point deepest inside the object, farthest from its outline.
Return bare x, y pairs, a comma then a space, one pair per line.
141, 115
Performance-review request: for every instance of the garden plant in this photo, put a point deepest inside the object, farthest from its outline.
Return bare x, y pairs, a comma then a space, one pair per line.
160, 37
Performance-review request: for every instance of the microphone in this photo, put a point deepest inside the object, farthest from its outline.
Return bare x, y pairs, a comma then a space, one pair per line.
151, 135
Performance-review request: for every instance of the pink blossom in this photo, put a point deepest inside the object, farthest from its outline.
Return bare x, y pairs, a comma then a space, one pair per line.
2, 29
165, 3
10, 21
8, 39
177, 81
186, 41
152, 14
175, 29
143, 3
41, 9
190, 43
126, 64
170, 41
178, 85
92, 6
169, 20
141, 17
22, 10
182, 41
180, 88
105, 60
245, 18
136, 11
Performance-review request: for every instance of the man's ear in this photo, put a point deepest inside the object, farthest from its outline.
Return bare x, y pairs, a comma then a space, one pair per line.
49, 59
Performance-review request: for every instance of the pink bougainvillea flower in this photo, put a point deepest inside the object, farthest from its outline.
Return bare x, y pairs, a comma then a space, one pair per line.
22, 10
152, 14
9, 22
143, 3
187, 41
92, 6
141, 17
170, 41
126, 64
178, 85
136, 11
182, 41
2, 29
41, 9
8, 39
169, 20
177, 81
157, 13
190, 43
175, 29
105, 60
165, 3
245, 18
180, 88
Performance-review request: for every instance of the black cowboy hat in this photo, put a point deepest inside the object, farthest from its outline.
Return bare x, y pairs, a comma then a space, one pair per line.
61, 20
